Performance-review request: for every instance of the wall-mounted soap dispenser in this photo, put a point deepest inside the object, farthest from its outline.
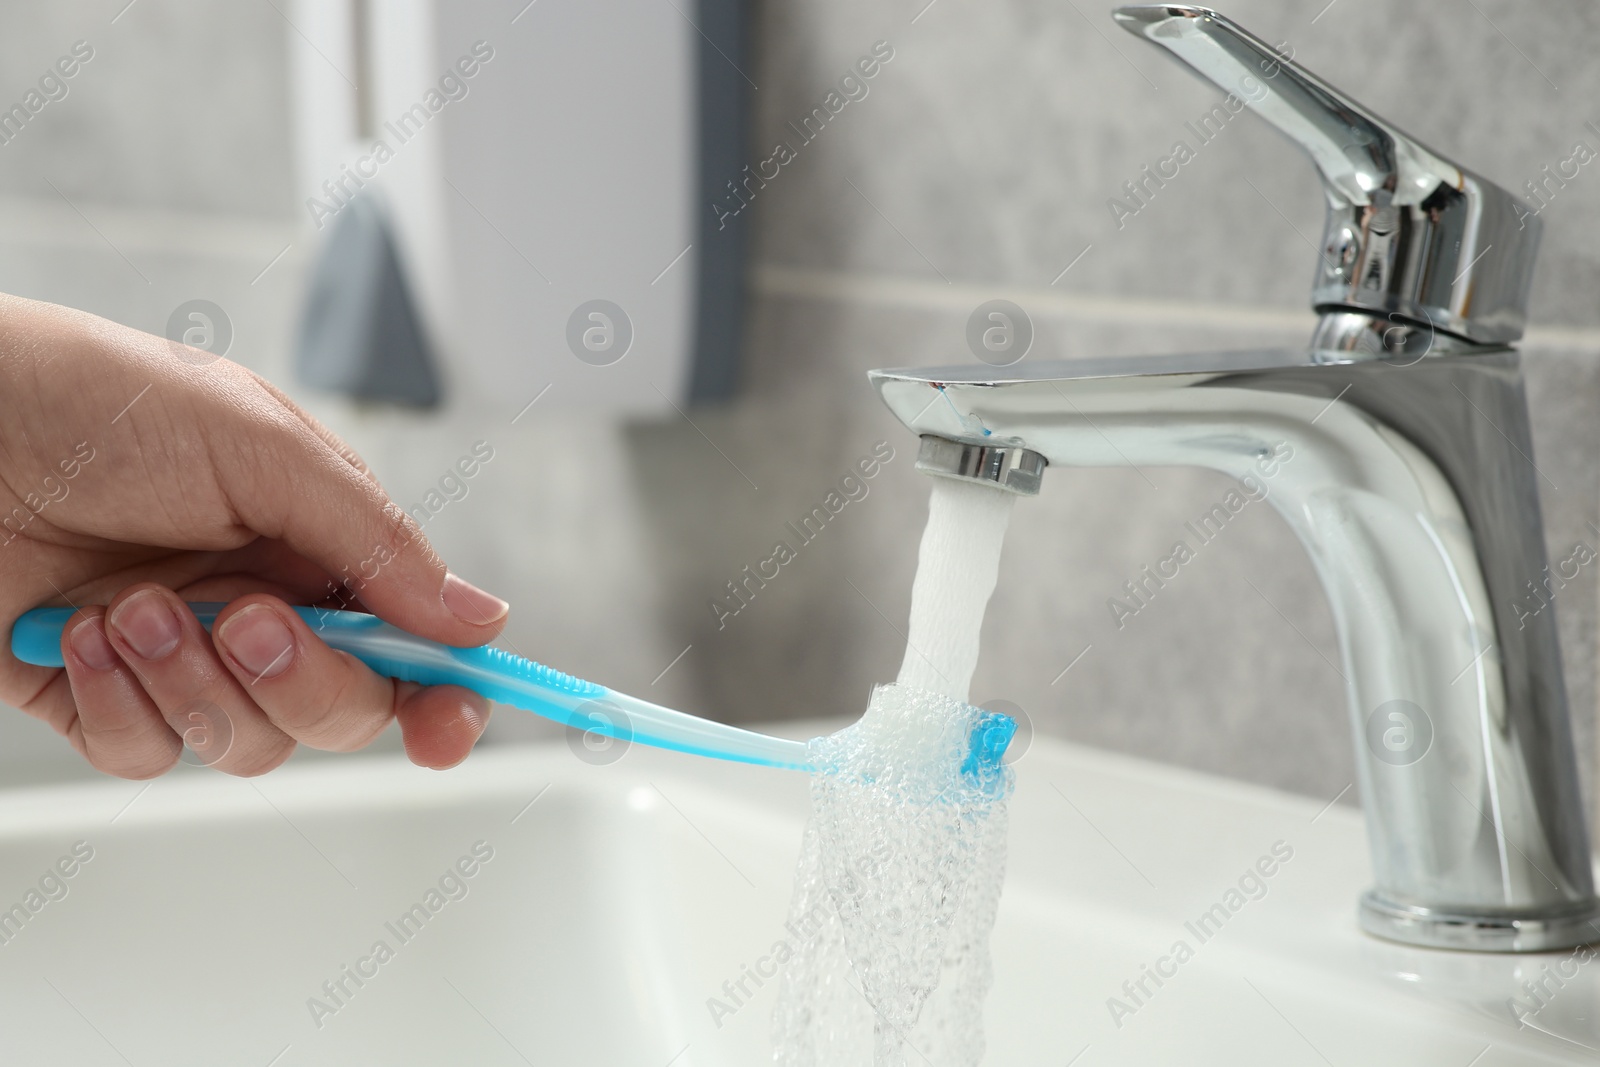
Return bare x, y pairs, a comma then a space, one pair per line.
549, 172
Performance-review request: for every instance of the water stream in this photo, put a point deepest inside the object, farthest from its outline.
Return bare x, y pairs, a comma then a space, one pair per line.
904, 854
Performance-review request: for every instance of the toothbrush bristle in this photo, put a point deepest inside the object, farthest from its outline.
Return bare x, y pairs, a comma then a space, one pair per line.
991, 736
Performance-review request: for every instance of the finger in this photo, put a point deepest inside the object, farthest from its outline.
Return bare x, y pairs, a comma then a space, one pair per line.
118, 728
319, 696
310, 496
329, 438
263, 566
439, 725
157, 635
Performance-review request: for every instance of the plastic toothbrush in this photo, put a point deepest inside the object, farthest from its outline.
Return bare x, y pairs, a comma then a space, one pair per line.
521, 683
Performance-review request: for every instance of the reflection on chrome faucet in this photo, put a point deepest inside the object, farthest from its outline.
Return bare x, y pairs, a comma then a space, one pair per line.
1205, 528
1413, 490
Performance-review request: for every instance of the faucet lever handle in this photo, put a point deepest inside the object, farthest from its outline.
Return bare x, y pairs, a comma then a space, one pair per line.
1410, 234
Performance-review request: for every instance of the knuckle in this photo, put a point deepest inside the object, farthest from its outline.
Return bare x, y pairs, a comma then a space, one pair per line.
346, 715
137, 762
397, 530
258, 759
127, 747
300, 718
349, 455
394, 538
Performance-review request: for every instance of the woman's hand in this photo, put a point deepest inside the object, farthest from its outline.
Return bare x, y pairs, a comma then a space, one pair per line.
137, 474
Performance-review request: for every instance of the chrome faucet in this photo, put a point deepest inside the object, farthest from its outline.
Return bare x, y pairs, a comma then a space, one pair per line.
1400, 445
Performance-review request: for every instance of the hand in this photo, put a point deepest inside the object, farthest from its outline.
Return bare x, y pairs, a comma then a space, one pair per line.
135, 476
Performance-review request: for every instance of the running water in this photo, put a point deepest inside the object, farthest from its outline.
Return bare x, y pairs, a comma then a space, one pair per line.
903, 856
956, 570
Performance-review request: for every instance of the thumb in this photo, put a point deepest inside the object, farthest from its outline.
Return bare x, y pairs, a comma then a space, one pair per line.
303, 492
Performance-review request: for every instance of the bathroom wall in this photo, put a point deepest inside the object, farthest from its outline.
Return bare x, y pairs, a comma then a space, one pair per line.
978, 165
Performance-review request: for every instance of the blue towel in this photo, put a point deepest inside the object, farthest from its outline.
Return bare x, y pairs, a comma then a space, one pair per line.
361, 335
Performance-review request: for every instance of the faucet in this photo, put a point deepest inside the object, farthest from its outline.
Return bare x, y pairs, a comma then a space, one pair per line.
1399, 447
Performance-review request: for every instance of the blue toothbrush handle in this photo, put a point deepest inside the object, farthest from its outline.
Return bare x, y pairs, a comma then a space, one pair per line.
389, 650
498, 675
36, 635
521, 683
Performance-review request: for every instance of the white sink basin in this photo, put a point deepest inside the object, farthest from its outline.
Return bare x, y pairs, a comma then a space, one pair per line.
615, 905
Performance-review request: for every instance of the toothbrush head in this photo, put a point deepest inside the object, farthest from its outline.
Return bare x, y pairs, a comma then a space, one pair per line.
990, 737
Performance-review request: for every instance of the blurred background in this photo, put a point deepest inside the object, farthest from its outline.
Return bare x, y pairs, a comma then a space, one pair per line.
598, 151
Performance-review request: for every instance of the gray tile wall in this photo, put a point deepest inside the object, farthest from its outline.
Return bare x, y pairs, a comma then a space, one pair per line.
978, 165
181, 106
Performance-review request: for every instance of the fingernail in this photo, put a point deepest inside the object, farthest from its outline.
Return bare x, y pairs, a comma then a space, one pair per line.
89, 644
466, 601
259, 640
148, 625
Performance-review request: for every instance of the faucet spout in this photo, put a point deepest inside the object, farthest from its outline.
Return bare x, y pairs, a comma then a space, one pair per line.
1411, 485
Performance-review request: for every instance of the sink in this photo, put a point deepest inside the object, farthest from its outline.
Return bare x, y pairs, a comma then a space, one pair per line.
585, 914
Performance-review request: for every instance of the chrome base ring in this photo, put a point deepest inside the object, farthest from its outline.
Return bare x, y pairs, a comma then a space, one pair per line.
1542, 930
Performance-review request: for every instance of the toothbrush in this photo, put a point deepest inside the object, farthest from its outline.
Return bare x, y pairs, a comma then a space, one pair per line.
522, 683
